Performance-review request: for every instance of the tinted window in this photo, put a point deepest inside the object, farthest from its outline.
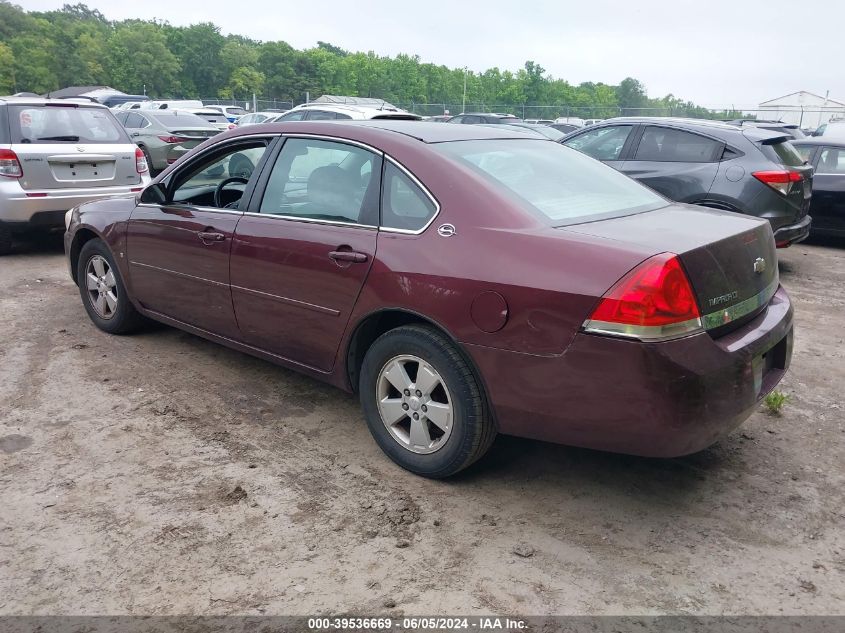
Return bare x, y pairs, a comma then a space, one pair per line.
175, 119
604, 143
62, 124
676, 146
134, 120
236, 111
553, 181
323, 180
782, 153
404, 204
121, 117
457, 119
321, 115
831, 161
293, 116
805, 152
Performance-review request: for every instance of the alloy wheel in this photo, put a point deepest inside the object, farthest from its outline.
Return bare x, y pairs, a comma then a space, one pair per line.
414, 404
102, 286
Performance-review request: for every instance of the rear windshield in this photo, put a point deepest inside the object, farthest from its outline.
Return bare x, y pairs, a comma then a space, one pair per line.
236, 111
64, 124
783, 153
556, 182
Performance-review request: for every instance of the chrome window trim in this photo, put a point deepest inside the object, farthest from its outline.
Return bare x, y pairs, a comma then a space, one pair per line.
424, 189
298, 218
149, 205
333, 139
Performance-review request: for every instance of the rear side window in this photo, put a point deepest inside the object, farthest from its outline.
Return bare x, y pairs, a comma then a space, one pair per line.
782, 153
604, 143
676, 146
805, 152
321, 115
63, 124
293, 116
404, 205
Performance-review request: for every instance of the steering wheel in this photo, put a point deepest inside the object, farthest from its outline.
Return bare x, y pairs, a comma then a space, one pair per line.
218, 191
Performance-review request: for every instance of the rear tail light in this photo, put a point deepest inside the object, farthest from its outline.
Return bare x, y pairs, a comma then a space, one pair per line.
653, 302
232, 126
173, 139
140, 161
780, 180
10, 166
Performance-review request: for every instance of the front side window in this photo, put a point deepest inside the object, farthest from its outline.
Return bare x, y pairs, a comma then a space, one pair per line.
604, 143
805, 151
64, 124
404, 205
324, 180
668, 145
831, 161
552, 181
219, 181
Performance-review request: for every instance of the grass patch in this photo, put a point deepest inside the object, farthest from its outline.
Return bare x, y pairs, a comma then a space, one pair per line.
775, 401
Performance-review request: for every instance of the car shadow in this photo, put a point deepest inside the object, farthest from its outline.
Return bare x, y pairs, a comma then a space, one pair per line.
38, 243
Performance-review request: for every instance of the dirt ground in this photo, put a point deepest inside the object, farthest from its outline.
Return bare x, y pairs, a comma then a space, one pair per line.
163, 474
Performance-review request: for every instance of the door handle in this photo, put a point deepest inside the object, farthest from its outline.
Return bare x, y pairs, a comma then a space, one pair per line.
211, 236
348, 256
136, 134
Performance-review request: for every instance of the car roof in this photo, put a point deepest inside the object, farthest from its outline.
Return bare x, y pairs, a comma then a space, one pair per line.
422, 131
366, 110
705, 126
820, 140
36, 101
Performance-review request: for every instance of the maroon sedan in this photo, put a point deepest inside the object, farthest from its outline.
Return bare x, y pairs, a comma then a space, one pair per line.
463, 280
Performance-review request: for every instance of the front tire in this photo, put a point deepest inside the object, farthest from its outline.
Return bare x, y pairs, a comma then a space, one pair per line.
103, 291
423, 404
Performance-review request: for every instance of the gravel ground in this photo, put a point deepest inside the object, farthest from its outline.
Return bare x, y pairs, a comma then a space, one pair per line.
163, 474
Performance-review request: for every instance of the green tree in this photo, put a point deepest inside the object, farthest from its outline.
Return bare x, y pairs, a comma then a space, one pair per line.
138, 58
7, 70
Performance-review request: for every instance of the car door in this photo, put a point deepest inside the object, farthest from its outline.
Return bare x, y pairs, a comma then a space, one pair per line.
179, 237
828, 202
608, 144
303, 251
681, 165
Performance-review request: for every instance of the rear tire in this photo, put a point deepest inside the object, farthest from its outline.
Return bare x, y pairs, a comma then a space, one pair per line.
103, 291
453, 427
5, 240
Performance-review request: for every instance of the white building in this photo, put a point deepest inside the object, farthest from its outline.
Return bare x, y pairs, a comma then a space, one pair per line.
802, 108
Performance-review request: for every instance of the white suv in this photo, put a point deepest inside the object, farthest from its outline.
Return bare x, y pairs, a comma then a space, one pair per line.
360, 110
56, 154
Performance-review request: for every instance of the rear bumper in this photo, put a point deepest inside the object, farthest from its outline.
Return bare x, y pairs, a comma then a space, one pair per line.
46, 207
793, 233
654, 399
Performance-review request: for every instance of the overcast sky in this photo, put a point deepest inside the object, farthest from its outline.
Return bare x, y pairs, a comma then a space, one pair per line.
717, 53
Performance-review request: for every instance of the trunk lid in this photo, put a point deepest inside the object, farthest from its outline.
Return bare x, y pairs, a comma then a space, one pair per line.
730, 259
64, 166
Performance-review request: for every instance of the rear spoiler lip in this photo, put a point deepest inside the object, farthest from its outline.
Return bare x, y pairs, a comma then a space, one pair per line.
763, 136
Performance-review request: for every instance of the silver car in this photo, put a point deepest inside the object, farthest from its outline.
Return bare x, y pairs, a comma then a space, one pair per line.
56, 154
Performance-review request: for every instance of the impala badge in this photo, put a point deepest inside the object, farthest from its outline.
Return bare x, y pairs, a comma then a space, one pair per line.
759, 265
446, 230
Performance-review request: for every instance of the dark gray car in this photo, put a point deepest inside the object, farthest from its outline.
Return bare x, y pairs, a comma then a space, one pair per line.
749, 170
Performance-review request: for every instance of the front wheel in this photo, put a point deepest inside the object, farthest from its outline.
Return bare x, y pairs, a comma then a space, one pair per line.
423, 403
103, 291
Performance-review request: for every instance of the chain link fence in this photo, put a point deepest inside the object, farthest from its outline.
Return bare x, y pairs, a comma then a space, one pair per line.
809, 118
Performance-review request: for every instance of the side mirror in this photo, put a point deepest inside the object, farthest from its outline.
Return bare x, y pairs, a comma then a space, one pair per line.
156, 193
